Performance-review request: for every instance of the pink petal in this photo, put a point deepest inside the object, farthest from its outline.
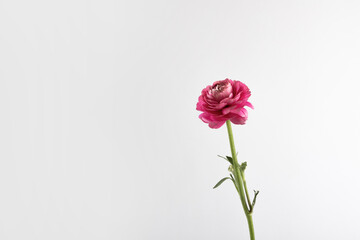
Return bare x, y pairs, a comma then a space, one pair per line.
205, 117
228, 109
238, 120
243, 113
216, 125
248, 104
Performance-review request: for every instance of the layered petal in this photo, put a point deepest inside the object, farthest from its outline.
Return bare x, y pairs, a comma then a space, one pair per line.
216, 125
222, 101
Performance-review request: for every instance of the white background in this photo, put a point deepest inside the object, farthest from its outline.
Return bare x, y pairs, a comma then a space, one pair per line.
100, 138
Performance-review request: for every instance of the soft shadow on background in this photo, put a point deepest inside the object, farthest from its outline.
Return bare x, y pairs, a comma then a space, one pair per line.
100, 138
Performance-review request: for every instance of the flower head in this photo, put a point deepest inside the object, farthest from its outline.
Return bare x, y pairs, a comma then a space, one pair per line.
224, 100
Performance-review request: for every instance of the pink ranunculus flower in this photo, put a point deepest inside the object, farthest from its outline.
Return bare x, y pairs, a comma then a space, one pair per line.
224, 100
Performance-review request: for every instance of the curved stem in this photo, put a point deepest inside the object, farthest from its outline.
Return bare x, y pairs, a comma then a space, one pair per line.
240, 182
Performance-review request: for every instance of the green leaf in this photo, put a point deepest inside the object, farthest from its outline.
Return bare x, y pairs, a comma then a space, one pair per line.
227, 158
220, 182
230, 160
243, 166
254, 200
231, 168
232, 178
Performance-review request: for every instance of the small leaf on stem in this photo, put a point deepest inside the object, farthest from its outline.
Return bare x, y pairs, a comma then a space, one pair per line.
227, 158
243, 166
254, 200
230, 160
220, 182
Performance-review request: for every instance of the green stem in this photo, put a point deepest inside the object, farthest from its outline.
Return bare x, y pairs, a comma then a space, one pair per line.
240, 182
251, 226
246, 192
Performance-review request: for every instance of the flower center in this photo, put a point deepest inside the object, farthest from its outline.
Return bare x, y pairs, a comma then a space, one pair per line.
221, 90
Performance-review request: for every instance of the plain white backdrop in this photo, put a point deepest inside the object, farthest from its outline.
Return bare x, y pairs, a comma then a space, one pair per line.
100, 139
